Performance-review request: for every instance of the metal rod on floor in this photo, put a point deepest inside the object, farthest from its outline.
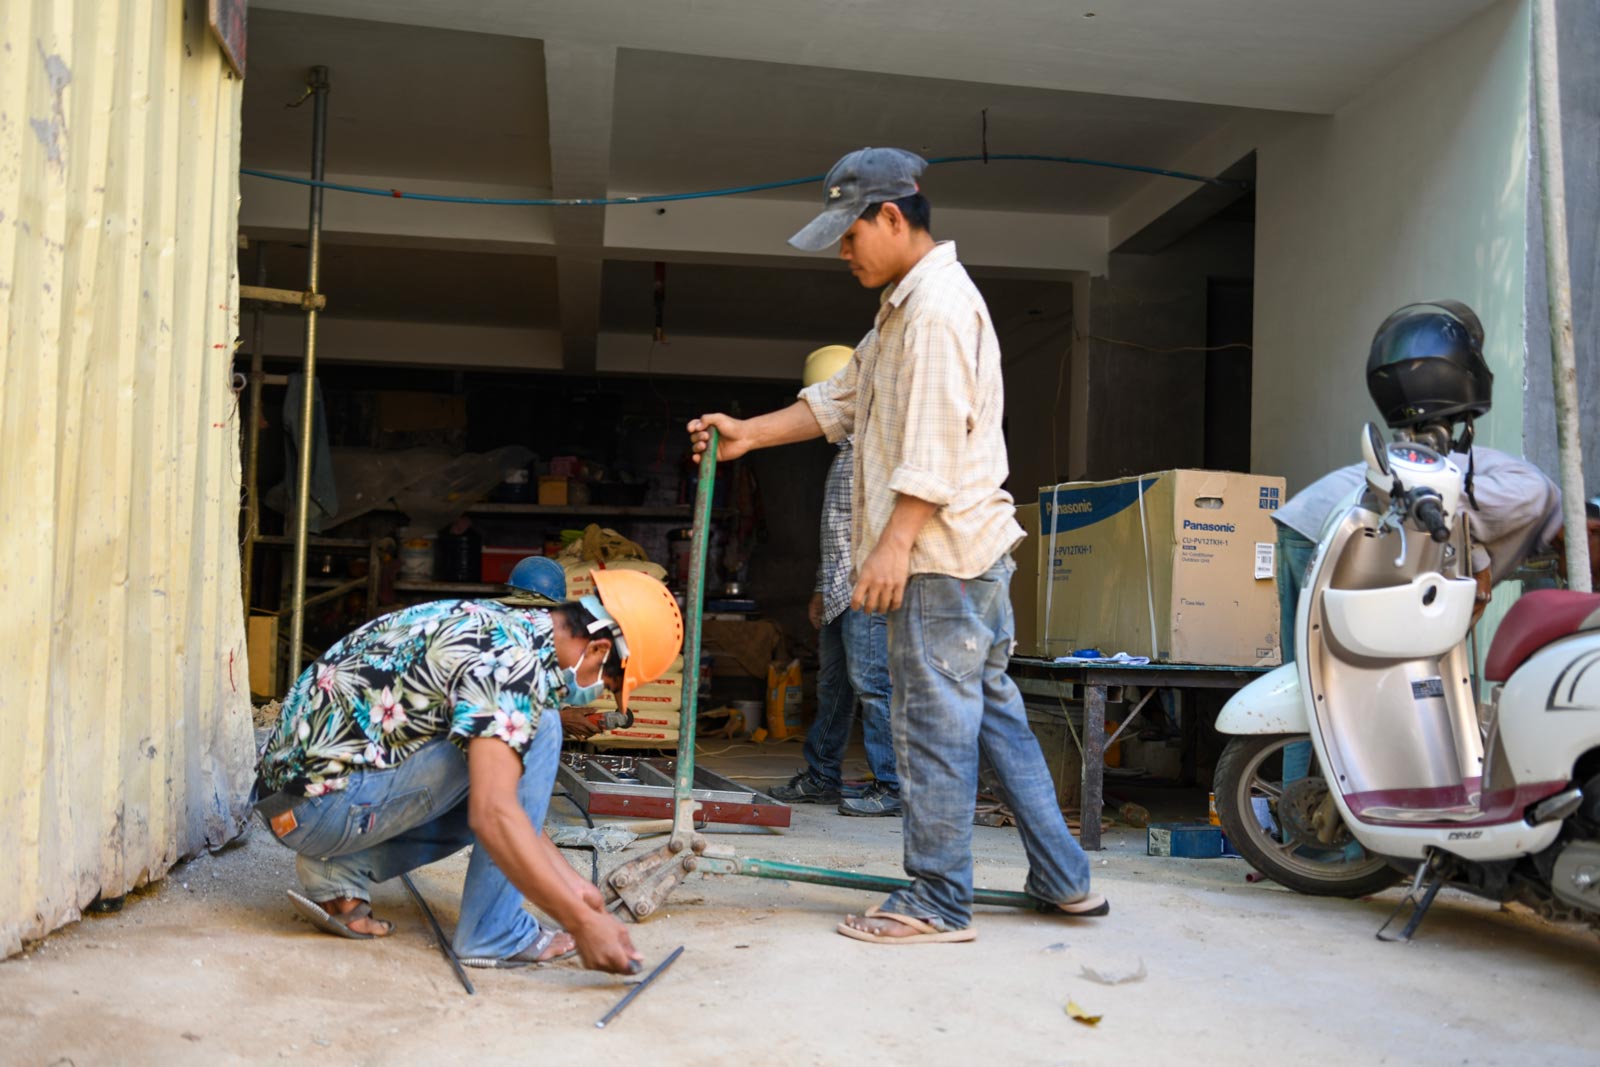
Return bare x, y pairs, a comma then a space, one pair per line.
318, 83
751, 867
438, 932
1558, 282
636, 990
252, 436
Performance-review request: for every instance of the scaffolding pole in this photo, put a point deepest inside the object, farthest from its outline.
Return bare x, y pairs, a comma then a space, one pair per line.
1558, 278
317, 84
252, 436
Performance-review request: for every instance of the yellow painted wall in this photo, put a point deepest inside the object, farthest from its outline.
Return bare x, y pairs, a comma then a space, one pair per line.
125, 740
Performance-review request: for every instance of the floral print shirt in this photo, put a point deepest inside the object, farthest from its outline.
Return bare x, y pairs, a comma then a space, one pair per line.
460, 669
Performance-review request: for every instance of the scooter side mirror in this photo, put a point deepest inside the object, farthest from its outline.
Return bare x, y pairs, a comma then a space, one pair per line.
1375, 450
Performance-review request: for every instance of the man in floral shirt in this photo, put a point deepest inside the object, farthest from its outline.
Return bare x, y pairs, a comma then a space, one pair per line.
437, 726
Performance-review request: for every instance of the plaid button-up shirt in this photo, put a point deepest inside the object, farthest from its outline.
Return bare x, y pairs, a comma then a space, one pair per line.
922, 398
833, 573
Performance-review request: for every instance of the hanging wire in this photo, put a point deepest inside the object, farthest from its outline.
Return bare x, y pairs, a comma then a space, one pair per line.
735, 190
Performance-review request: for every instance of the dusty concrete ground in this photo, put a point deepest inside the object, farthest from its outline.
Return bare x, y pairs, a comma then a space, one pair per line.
211, 967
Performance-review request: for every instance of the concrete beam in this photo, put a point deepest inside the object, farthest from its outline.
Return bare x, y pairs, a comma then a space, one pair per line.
752, 226
273, 210
580, 82
415, 343
461, 347
1213, 156
731, 230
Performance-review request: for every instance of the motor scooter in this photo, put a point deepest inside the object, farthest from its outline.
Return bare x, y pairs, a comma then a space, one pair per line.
1409, 773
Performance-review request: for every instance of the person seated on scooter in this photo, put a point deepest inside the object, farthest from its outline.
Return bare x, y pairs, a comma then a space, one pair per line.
1591, 510
1426, 373
438, 725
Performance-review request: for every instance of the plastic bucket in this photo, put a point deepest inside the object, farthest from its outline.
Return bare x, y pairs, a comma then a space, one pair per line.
416, 554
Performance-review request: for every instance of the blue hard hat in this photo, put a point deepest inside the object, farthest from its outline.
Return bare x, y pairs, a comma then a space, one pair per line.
540, 576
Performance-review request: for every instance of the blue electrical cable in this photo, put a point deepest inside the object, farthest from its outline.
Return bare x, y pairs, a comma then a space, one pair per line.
706, 194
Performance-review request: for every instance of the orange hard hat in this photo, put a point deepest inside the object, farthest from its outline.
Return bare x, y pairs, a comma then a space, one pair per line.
651, 624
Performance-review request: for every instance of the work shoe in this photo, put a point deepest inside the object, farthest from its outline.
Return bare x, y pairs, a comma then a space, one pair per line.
875, 801
807, 788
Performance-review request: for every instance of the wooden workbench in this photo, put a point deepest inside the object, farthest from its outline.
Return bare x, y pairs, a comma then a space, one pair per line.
1089, 682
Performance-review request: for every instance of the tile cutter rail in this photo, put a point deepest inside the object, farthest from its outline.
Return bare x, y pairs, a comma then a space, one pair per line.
641, 787
638, 888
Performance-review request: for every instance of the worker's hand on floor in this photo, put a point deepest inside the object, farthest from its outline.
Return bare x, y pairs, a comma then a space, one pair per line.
573, 724
604, 944
814, 611
881, 583
733, 436
588, 892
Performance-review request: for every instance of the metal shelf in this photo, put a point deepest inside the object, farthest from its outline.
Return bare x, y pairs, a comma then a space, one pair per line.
674, 512
427, 585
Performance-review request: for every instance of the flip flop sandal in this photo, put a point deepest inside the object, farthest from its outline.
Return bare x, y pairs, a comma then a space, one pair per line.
926, 932
337, 925
528, 957
1090, 905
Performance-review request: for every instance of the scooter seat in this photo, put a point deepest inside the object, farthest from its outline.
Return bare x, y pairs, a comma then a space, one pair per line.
1534, 621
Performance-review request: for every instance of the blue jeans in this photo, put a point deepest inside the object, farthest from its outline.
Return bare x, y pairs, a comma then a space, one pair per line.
388, 822
853, 655
949, 644
1295, 553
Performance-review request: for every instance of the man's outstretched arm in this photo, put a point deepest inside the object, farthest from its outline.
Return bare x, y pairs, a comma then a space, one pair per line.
736, 437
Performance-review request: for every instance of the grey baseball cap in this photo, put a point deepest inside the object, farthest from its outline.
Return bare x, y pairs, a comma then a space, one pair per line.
865, 177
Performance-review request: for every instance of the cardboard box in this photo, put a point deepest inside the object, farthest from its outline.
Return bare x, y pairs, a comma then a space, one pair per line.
552, 490
1026, 605
1192, 551
261, 647
400, 412
1192, 841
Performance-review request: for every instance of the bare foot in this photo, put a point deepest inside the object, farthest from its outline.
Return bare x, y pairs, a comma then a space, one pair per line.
878, 926
367, 924
559, 945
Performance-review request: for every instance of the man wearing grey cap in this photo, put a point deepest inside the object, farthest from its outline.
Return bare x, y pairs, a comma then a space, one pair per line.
933, 533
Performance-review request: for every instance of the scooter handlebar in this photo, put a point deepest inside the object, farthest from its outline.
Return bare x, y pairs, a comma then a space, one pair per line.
1431, 516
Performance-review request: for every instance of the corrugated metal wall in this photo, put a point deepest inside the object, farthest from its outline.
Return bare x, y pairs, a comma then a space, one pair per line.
125, 740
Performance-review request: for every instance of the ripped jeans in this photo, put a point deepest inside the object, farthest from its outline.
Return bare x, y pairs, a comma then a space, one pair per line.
949, 645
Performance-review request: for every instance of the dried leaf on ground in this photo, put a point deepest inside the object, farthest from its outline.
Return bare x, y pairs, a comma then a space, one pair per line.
1078, 1015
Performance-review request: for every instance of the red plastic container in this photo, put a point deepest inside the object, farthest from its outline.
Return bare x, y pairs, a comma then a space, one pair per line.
498, 560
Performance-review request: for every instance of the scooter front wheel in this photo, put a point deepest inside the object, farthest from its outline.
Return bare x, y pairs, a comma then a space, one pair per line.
1272, 818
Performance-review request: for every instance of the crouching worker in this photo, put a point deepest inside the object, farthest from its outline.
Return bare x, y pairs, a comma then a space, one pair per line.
437, 727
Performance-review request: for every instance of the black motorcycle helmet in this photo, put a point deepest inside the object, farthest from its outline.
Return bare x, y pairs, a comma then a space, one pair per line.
1427, 365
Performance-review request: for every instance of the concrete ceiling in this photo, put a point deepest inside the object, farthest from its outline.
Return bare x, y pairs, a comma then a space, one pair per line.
1294, 55
686, 122
584, 97
404, 100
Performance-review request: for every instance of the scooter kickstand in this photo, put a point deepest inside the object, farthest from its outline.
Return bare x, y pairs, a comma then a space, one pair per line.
1420, 905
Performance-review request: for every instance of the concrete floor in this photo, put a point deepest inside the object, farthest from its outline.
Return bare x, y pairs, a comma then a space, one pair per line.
211, 967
